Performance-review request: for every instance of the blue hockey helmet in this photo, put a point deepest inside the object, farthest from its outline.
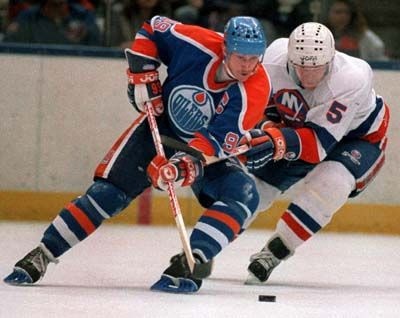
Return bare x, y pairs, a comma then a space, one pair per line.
245, 35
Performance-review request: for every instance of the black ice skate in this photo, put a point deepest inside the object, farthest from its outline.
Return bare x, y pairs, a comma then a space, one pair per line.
261, 266
263, 263
177, 278
31, 268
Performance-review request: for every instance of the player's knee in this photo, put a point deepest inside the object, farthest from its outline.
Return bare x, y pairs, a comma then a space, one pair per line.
331, 180
247, 195
324, 190
107, 198
267, 194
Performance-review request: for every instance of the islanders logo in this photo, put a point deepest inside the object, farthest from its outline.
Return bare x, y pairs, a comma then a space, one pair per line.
292, 107
190, 108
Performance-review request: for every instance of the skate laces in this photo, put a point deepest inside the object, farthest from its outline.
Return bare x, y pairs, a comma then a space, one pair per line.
266, 259
38, 259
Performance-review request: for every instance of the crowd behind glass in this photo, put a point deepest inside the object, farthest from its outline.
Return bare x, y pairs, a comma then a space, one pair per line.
113, 23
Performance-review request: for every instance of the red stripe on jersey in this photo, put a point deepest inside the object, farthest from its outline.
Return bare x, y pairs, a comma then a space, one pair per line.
362, 183
101, 168
295, 226
378, 135
309, 145
225, 219
81, 218
202, 144
383, 144
145, 47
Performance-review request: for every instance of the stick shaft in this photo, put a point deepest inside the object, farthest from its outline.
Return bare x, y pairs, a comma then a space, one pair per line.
173, 200
208, 160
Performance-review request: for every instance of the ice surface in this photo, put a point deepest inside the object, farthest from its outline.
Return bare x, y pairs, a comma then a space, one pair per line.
109, 275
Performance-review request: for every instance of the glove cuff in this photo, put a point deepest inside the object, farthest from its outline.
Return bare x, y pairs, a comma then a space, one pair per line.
142, 78
286, 142
278, 141
293, 144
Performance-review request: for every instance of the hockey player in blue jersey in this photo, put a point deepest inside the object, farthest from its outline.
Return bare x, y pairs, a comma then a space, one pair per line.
215, 91
330, 127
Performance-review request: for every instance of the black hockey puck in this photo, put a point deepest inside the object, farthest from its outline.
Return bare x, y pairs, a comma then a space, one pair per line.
268, 298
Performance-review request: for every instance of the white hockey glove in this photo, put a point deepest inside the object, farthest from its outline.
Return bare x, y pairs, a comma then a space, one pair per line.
182, 169
145, 87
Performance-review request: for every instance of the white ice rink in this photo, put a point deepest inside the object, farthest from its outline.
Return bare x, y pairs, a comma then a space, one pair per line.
109, 275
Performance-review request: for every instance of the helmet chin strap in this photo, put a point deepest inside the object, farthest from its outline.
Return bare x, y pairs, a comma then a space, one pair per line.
293, 74
227, 70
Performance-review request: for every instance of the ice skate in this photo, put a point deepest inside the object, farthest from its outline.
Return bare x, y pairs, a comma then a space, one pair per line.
261, 266
31, 268
177, 278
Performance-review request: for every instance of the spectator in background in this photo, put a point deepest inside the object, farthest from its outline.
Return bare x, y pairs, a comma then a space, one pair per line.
283, 15
351, 32
128, 16
190, 13
15, 7
54, 22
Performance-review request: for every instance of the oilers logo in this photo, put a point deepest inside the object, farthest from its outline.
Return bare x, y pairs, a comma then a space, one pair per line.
190, 108
292, 107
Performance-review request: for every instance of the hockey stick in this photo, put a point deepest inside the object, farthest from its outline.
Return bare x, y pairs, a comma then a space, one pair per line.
208, 160
173, 200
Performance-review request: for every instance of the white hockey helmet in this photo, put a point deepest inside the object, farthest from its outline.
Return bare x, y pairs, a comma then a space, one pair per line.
311, 44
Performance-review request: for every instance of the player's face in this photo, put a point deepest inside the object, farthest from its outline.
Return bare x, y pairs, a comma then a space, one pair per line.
309, 76
242, 66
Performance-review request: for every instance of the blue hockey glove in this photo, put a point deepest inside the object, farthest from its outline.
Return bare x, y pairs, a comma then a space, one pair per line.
265, 145
272, 113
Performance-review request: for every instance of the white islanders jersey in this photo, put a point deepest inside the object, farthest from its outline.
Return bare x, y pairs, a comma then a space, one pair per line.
344, 105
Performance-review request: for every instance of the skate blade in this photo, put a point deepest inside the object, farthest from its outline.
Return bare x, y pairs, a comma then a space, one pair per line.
253, 280
18, 277
175, 285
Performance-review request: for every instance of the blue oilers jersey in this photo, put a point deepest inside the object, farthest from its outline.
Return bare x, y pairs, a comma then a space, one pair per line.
212, 116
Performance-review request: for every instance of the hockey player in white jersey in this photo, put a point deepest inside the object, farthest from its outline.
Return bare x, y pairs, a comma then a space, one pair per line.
326, 127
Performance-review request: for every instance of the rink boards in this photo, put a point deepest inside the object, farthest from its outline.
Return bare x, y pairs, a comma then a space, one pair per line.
154, 209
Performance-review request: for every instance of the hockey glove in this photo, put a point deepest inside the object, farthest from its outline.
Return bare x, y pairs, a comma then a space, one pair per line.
181, 169
145, 87
272, 113
265, 145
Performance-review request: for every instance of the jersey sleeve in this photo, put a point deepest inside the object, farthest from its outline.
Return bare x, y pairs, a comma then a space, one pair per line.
167, 40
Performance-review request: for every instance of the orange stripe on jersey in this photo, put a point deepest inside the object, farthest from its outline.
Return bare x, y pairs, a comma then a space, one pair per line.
224, 218
309, 145
81, 218
258, 90
202, 144
101, 168
295, 226
145, 47
378, 135
146, 26
204, 37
